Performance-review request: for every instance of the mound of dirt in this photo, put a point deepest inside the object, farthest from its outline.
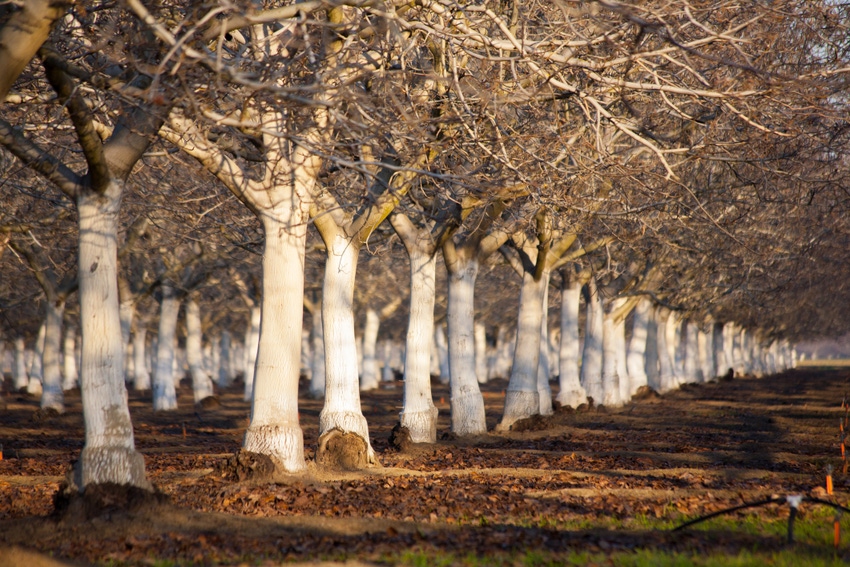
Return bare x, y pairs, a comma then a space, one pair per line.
246, 465
400, 438
343, 451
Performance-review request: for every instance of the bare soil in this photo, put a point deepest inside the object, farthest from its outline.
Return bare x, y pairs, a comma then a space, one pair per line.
575, 480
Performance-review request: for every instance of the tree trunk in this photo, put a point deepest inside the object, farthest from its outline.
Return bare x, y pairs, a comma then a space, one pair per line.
610, 376
225, 364
141, 377
252, 345
653, 372
442, 345
369, 376
275, 429
622, 368
571, 393
467, 403
667, 376
109, 453
317, 372
591, 356
342, 409
36, 369
690, 352
201, 383
164, 392
69, 359
419, 414
636, 355
52, 394
522, 399
20, 379
544, 391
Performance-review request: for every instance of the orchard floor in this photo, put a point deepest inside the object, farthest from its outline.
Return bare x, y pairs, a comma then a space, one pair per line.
594, 486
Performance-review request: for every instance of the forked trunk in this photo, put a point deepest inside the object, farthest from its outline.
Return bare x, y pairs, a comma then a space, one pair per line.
571, 393
419, 414
466, 400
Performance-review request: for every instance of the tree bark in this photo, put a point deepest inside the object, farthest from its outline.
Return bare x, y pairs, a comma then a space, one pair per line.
201, 383
636, 355
252, 345
572, 393
164, 392
591, 357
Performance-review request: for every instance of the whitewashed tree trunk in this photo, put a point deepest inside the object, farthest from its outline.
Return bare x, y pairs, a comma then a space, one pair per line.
544, 390
109, 453
591, 356
126, 314
419, 414
252, 345
610, 366
434, 357
653, 372
480, 332
554, 340
69, 359
738, 350
164, 393
442, 344
468, 417
571, 392
142, 377
274, 429
36, 369
709, 371
52, 395
676, 347
317, 376
306, 360
20, 379
369, 376
690, 352
225, 368
342, 408
201, 384
636, 354
667, 374
391, 354
522, 398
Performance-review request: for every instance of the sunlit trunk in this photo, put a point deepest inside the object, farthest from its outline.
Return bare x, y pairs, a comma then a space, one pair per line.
571, 392
442, 345
69, 359
622, 368
369, 376
667, 376
636, 354
419, 414
306, 361
544, 390
480, 332
109, 452
591, 356
342, 408
653, 372
466, 400
201, 384
52, 395
610, 351
274, 428
690, 352
252, 344
164, 392
522, 398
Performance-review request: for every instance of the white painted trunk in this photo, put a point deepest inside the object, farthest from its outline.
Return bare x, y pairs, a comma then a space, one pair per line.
69, 359
653, 373
252, 345
667, 375
141, 377
571, 392
467, 403
434, 357
610, 375
676, 347
274, 429
369, 375
554, 340
622, 369
126, 314
201, 384
52, 396
342, 408
522, 398
636, 353
591, 355
419, 414
480, 332
306, 356
442, 344
738, 350
391, 360
709, 371
109, 452
225, 368
20, 379
164, 393
544, 391
36, 368
317, 372
721, 363
690, 352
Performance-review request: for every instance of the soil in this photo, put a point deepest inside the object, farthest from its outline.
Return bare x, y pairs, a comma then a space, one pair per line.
672, 457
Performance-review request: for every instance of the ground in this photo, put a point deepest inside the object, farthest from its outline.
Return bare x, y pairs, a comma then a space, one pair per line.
593, 486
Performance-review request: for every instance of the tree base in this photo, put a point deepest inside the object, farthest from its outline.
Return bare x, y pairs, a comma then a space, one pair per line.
422, 425
283, 444
344, 451
519, 405
572, 398
108, 465
468, 417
